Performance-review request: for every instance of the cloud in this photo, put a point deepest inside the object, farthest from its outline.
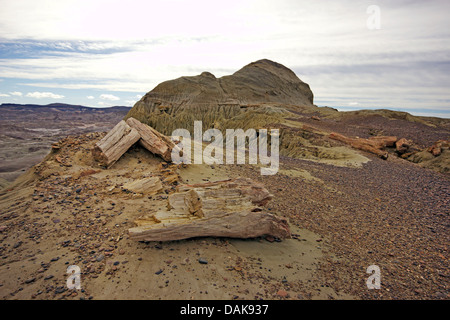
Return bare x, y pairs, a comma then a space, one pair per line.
4, 95
16, 93
130, 102
68, 45
90, 97
41, 95
104, 104
109, 97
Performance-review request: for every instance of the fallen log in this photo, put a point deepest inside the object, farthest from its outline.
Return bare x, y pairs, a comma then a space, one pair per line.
126, 133
116, 142
373, 145
152, 140
230, 208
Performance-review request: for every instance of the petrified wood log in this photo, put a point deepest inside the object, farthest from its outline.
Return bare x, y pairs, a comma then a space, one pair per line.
230, 208
109, 149
152, 140
373, 145
148, 186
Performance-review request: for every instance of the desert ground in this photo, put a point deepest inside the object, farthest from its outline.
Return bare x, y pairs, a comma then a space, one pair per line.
27, 131
345, 215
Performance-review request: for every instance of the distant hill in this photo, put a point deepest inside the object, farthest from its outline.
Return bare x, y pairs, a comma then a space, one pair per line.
62, 107
28, 130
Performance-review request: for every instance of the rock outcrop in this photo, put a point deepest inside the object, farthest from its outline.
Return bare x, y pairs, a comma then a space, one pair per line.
177, 103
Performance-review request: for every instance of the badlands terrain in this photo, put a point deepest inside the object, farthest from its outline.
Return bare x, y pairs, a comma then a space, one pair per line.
350, 202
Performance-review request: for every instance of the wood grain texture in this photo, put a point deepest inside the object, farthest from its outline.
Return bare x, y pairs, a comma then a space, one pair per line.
109, 149
230, 208
373, 145
152, 140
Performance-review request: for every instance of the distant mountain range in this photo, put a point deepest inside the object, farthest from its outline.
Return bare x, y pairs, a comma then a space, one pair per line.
62, 107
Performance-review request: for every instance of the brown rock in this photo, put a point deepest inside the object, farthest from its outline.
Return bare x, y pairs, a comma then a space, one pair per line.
402, 145
436, 148
282, 293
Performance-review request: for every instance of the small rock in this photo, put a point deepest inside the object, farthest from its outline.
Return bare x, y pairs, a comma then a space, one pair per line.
282, 293
100, 257
17, 244
159, 271
30, 280
60, 289
203, 261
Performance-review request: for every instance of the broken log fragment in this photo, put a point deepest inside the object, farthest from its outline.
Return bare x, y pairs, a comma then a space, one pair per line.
147, 186
116, 142
373, 145
126, 133
230, 208
152, 140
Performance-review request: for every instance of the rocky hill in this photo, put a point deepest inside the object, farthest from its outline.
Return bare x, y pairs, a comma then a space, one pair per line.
255, 89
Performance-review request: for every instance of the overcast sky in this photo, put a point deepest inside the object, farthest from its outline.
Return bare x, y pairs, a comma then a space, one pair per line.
102, 53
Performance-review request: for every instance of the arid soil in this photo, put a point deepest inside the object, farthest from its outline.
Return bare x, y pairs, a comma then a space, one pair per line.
69, 211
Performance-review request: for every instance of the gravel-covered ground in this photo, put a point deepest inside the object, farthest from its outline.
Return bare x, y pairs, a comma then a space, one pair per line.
392, 213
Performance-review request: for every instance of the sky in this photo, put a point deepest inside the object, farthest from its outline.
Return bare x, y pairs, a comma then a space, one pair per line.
353, 54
